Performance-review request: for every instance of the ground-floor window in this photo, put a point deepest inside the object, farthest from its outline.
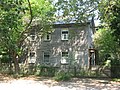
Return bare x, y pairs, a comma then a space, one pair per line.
32, 57
92, 58
64, 59
46, 56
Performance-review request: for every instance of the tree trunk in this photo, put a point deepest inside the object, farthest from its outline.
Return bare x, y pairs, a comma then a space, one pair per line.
16, 63
0, 64
10, 67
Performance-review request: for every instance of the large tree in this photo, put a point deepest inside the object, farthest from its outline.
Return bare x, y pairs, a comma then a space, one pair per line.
11, 27
105, 43
109, 12
16, 17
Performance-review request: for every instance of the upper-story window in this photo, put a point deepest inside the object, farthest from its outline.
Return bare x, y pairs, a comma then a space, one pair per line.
47, 37
64, 34
33, 37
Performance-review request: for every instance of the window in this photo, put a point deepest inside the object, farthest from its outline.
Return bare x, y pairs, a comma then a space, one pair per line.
47, 37
64, 35
32, 54
33, 38
64, 59
64, 54
46, 56
32, 35
32, 57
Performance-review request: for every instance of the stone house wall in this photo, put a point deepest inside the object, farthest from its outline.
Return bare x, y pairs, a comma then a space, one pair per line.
77, 46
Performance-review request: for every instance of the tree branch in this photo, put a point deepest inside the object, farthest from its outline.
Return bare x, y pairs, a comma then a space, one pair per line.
31, 16
28, 25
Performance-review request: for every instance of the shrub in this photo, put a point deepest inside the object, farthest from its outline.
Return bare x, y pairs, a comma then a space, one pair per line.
115, 71
62, 76
47, 71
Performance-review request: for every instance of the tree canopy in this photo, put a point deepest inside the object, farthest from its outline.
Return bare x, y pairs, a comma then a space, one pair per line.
16, 17
109, 11
104, 41
76, 10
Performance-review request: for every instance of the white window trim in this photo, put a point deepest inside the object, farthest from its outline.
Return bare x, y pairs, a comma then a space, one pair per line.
45, 37
62, 35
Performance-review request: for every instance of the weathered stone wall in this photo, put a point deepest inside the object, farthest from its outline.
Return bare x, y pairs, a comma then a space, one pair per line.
80, 40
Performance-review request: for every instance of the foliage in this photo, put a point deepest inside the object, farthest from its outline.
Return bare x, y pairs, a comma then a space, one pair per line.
76, 10
42, 9
108, 50
16, 17
11, 27
115, 71
89, 73
109, 11
62, 76
47, 71
105, 42
116, 80
42, 14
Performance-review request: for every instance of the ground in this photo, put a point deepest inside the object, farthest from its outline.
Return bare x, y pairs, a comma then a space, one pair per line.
32, 82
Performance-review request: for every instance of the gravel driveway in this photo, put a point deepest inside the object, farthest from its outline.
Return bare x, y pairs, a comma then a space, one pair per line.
49, 84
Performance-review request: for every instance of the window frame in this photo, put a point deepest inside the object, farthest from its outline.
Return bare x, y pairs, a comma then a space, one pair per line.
46, 54
64, 58
32, 57
64, 34
45, 37
31, 37
65, 54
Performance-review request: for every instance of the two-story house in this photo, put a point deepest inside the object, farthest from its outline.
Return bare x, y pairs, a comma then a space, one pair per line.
68, 44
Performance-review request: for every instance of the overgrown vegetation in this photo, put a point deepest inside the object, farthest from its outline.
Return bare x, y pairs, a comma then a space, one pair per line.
107, 38
62, 76
17, 17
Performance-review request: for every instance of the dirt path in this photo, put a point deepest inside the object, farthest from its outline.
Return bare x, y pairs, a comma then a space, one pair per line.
30, 83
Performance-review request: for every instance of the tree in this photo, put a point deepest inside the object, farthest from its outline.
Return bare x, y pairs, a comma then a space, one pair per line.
109, 12
16, 17
105, 43
11, 26
76, 10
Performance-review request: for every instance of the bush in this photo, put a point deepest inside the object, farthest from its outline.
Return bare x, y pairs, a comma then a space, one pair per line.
62, 76
47, 71
115, 71
89, 73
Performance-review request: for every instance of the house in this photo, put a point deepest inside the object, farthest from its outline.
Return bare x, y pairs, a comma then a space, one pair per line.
68, 44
